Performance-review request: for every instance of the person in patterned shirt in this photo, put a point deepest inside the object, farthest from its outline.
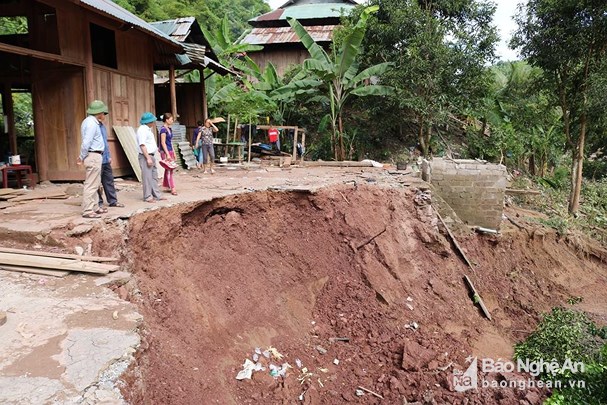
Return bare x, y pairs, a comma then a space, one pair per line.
205, 137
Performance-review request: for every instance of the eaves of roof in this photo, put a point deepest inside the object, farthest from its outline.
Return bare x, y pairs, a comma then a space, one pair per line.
114, 11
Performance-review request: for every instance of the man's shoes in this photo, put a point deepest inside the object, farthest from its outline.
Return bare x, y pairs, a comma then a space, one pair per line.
91, 215
117, 205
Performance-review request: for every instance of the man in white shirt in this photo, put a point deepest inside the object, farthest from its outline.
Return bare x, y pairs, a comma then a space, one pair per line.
91, 151
147, 159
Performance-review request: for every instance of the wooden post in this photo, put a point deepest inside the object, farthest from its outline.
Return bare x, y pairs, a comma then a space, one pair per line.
173, 92
294, 157
9, 112
205, 111
303, 144
89, 79
249, 154
235, 128
40, 134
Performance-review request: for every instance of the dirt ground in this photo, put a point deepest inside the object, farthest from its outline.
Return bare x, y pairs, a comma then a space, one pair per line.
336, 281
286, 273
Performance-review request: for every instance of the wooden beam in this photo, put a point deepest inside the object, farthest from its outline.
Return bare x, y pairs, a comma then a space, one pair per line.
18, 50
205, 111
41, 134
89, 78
59, 255
294, 157
173, 92
9, 111
12, 259
33, 270
477, 298
303, 144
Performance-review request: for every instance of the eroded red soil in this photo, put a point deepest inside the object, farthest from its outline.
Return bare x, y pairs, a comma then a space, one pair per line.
292, 271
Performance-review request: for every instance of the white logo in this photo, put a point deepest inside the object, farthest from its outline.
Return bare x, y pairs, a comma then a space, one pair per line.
467, 380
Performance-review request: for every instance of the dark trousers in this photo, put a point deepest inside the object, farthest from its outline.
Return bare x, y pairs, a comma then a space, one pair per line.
107, 182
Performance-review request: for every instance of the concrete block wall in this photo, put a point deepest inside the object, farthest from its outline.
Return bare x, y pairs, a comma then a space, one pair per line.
474, 190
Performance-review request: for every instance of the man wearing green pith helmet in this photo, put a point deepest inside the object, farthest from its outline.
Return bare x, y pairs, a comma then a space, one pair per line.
91, 151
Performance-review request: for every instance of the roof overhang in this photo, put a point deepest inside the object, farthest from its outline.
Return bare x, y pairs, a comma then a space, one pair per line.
113, 11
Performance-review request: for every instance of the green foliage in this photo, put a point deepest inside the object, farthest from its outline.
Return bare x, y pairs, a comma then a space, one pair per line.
559, 223
567, 334
566, 38
13, 25
524, 128
439, 50
339, 75
226, 49
209, 13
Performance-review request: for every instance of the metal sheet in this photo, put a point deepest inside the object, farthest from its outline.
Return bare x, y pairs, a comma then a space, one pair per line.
110, 8
283, 35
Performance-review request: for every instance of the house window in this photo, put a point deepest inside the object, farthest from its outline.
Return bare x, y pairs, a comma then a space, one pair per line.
103, 46
13, 25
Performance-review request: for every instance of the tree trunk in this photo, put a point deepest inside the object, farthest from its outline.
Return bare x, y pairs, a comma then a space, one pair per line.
577, 155
334, 138
421, 139
429, 150
342, 152
532, 164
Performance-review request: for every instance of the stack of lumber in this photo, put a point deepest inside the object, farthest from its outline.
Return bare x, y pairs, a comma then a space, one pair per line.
53, 264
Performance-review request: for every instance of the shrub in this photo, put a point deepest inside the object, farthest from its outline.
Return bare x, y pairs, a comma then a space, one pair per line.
566, 334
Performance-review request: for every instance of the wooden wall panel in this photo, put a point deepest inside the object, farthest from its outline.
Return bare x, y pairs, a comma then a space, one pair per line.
134, 52
281, 59
71, 23
61, 105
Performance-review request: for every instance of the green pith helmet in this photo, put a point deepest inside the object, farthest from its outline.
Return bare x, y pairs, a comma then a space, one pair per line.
97, 107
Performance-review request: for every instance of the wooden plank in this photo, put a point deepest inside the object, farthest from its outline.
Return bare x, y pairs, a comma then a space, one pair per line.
34, 270
514, 191
477, 298
13, 259
457, 246
8, 191
128, 140
59, 255
18, 50
34, 195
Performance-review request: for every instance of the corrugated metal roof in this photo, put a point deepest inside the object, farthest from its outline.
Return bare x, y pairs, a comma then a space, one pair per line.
110, 8
301, 2
284, 35
306, 11
178, 29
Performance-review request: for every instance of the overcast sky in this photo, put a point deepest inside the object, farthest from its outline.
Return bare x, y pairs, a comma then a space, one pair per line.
503, 21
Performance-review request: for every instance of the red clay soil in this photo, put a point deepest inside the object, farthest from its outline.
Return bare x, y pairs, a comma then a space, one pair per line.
291, 271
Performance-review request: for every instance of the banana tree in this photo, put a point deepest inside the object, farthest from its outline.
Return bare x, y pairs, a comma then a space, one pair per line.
339, 73
222, 44
283, 91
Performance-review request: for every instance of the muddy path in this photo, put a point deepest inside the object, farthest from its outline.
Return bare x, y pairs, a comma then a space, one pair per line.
276, 277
